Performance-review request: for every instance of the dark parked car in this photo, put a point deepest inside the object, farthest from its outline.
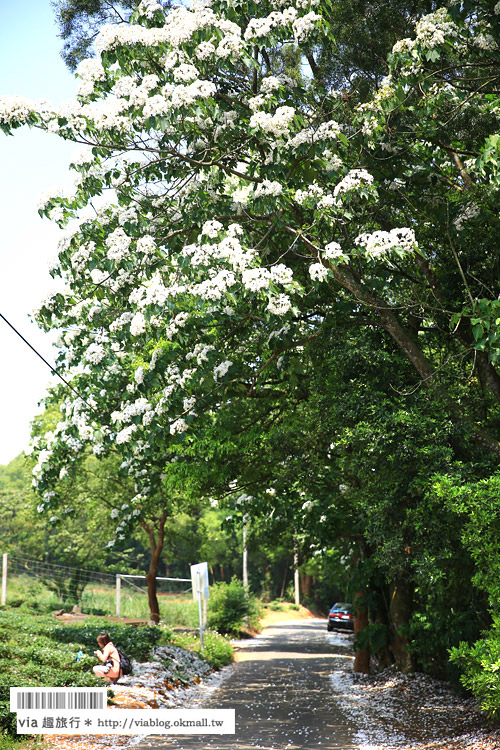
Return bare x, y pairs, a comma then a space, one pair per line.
341, 617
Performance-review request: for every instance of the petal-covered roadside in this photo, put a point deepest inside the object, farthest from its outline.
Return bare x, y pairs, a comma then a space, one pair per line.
393, 711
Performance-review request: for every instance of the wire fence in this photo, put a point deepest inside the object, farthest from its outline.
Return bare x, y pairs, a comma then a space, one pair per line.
46, 587
19, 565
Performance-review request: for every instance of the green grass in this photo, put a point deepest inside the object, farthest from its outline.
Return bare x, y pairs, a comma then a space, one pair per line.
217, 649
30, 595
25, 743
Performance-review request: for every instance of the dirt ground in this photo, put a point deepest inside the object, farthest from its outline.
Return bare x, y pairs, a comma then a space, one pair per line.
271, 616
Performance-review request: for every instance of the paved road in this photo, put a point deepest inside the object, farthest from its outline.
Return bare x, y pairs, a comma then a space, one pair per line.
280, 692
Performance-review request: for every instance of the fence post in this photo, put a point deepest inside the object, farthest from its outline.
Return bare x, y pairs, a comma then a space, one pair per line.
200, 616
118, 591
4, 579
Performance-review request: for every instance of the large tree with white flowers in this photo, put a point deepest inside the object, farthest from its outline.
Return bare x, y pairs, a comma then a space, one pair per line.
229, 196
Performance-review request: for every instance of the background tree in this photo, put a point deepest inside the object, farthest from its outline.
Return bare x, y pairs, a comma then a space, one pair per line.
79, 23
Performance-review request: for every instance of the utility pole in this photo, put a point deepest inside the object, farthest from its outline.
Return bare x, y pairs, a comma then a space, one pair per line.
296, 571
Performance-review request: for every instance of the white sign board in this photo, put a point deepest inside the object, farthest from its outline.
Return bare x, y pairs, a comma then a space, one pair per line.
199, 577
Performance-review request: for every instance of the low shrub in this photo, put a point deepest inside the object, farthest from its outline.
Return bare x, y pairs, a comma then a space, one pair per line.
479, 664
231, 607
217, 650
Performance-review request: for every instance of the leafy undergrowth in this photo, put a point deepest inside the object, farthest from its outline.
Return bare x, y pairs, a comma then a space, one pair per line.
39, 651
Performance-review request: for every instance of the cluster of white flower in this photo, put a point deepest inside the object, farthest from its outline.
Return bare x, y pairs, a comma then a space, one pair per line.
228, 249
204, 50
261, 27
278, 123
82, 255
256, 279
154, 292
137, 95
89, 71
318, 272
120, 322
188, 403
138, 324
149, 7
146, 245
313, 193
354, 179
470, 211
332, 161
303, 25
95, 353
200, 353
173, 327
134, 409
211, 229
271, 83
433, 29
118, 243
496, 9
103, 115
333, 251
380, 243
485, 41
222, 369
369, 125
179, 27
403, 46
185, 72
268, 187
125, 435
215, 287
256, 102
180, 425
281, 274
17, 108
279, 305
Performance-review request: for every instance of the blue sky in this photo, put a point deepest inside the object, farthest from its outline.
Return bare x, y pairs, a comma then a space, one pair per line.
31, 163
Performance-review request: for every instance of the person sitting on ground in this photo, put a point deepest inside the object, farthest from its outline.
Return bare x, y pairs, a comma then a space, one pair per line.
110, 668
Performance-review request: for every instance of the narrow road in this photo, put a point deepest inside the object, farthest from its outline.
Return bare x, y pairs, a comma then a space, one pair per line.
280, 690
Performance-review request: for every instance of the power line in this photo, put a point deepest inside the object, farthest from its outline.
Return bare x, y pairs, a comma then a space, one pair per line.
53, 369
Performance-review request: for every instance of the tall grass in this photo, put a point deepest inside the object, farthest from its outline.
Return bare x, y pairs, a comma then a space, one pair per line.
30, 594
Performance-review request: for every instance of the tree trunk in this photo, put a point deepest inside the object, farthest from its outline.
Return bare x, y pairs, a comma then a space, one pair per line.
305, 584
400, 609
156, 545
362, 655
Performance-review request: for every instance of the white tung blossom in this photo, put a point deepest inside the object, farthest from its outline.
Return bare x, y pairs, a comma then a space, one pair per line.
279, 305
138, 324
333, 251
379, 243
354, 179
276, 124
318, 272
180, 425
222, 369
